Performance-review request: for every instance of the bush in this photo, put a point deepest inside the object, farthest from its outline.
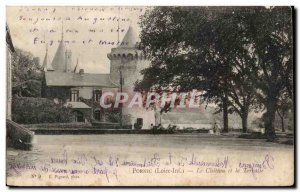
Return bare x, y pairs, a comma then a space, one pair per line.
161, 130
30, 110
30, 88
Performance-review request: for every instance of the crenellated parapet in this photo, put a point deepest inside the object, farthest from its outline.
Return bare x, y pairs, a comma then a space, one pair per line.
126, 53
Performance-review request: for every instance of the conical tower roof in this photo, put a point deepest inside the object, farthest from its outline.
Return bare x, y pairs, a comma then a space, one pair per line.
46, 64
58, 62
130, 39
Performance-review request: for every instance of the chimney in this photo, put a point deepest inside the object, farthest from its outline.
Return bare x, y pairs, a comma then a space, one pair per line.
81, 71
68, 60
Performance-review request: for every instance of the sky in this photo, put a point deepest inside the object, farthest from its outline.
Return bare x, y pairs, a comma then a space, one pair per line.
33, 27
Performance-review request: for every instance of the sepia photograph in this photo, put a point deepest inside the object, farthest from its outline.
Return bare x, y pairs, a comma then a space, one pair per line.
150, 96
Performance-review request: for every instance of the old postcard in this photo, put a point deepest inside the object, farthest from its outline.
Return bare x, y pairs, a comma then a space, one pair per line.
149, 96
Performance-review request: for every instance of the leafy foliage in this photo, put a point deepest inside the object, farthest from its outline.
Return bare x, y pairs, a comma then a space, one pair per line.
26, 74
29, 88
30, 110
241, 57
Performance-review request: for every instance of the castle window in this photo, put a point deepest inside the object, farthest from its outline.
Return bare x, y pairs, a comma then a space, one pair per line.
97, 95
74, 95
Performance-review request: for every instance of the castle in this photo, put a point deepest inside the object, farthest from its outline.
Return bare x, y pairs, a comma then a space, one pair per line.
82, 92
63, 83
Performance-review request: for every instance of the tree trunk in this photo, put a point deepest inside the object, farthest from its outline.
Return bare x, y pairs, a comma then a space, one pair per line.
225, 113
282, 124
282, 120
245, 122
269, 120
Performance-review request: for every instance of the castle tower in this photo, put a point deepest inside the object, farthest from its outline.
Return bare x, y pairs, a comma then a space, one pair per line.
127, 60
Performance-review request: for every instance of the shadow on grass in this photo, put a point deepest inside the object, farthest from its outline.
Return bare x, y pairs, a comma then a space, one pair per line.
282, 139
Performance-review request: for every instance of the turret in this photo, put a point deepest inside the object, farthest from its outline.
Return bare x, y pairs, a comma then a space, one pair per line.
127, 61
128, 58
127, 48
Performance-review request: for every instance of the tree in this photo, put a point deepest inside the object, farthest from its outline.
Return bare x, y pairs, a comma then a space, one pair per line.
239, 56
29, 88
26, 74
199, 48
284, 105
226, 64
270, 31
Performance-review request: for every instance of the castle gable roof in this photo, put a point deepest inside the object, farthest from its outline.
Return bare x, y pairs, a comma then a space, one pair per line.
76, 80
